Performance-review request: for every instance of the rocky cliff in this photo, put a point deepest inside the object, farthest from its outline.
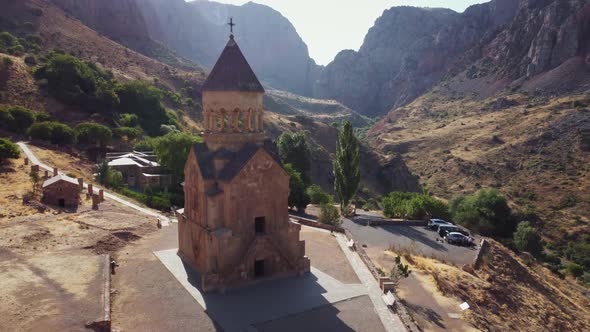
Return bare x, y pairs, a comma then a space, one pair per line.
407, 52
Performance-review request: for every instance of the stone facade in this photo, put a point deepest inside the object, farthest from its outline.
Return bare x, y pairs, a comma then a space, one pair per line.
236, 229
61, 191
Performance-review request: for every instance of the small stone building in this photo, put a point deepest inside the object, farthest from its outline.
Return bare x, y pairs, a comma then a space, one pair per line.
235, 227
139, 169
61, 190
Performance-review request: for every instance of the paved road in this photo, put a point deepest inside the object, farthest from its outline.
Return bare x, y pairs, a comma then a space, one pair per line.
165, 220
417, 239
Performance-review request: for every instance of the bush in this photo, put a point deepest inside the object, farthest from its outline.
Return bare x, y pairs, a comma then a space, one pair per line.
8, 150
579, 252
114, 178
486, 212
42, 117
7, 40
93, 134
6, 119
329, 215
55, 132
23, 118
7, 62
526, 239
414, 206
41, 131
575, 270
62, 134
127, 132
318, 196
145, 101
128, 120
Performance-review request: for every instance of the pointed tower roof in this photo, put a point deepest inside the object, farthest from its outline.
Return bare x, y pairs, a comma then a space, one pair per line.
232, 72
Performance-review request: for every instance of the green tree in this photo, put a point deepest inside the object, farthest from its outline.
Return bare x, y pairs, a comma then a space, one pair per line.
318, 196
23, 118
145, 101
114, 178
172, 151
93, 134
527, 239
102, 171
486, 212
347, 174
298, 198
62, 134
329, 215
6, 119
294, 150
8, 150
41, 130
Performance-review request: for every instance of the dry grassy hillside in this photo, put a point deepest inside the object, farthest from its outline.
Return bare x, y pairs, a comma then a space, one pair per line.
505, 294
533, 148
60, 31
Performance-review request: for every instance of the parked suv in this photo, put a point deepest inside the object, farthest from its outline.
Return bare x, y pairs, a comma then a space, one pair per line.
434, 223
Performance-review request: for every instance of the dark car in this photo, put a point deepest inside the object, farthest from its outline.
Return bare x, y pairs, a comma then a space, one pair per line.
443, 230
434, 223
458, 238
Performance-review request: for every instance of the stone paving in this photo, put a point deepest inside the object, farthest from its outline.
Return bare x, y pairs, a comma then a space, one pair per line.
391, 321
239, 309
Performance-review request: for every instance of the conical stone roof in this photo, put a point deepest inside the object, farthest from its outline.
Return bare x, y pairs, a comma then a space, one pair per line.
232, 72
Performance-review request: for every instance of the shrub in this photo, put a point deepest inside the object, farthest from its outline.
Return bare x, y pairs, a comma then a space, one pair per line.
128, 120
55, 132
145, 101
579, 252
147, 144
23, 118
575, 270
318, 196
329, 215
6, 119
62, 134
93, 134
486, 212
42, 117
128, 132
7, 62
114, 178
8, 150
526, 239
7, 40
41, 130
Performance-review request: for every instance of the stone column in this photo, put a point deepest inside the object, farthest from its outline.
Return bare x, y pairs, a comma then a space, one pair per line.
90, 191
236, 120
81, 183
248, 120
26, 161
35, 168
256, 122
95, 202
222, 122
46, 175
101, 195
55, 171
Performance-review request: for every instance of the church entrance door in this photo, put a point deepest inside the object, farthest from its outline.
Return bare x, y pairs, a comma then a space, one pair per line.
259, 268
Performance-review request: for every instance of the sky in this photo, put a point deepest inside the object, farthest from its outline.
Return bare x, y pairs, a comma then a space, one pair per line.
330, 26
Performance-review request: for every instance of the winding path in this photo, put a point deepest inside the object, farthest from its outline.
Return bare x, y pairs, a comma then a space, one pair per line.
165, 220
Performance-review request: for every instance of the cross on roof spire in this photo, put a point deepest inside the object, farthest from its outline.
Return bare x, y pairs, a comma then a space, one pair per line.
231, 25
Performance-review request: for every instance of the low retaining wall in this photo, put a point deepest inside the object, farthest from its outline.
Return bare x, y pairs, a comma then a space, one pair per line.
313, 223
103, 323
393, 222
483, 249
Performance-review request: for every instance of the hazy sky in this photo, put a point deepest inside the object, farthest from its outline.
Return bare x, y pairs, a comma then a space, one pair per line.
329, 26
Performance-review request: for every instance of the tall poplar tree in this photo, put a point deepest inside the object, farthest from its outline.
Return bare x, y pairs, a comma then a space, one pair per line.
347, 172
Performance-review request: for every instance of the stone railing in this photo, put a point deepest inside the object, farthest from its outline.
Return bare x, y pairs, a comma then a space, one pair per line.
313, 223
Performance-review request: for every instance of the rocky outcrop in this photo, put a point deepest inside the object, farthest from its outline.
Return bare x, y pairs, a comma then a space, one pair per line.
407, 52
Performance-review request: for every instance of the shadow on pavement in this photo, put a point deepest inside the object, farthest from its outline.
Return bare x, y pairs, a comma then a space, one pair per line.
272, 305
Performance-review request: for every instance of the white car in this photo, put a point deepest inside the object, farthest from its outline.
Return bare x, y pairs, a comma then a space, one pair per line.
458, 238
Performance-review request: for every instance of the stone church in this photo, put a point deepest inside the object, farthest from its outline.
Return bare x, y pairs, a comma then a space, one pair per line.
236, 228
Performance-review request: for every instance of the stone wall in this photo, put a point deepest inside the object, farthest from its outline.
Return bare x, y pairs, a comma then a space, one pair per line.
313, 223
